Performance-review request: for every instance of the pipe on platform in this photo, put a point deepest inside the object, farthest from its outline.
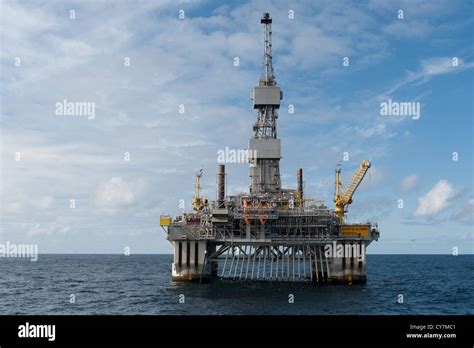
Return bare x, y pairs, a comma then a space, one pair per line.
299, 183
220, 185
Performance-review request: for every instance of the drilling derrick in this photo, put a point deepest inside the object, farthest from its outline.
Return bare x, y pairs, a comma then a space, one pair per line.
270, 233
265, 169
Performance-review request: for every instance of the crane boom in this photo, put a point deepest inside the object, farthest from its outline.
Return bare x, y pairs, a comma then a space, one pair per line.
199, 202
342, 198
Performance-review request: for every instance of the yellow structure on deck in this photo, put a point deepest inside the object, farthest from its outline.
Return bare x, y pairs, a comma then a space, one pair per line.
355, 230
165, 220
199, 202
343, 198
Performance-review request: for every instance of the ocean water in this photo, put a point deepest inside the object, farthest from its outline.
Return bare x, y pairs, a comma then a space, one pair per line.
141, 284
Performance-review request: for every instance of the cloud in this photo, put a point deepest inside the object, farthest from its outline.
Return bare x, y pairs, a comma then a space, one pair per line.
429, 68
405, 29
436, 200
378, 129
28, 205
46, 229
466, 214
13, 207
409, 183
118, 194
414, 9
150, 213
45, 202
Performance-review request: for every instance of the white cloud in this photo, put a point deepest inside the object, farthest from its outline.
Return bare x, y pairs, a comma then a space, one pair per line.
13, 207
45, 202
46, 229
150, 213
26, 204
409, 183
428, 69
436, 200
443, 65
466, 214
379, 129
118, 194
419, 8
405, 29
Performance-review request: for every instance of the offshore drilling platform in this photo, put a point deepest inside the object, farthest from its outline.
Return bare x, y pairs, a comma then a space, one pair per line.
270, 233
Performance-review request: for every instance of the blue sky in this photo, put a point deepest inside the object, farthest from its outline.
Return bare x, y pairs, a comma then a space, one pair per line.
190, 62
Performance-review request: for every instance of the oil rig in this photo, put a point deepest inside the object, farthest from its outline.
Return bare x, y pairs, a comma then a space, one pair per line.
270, 233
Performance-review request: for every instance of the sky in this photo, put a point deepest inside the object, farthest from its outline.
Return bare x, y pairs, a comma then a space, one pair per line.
168, 95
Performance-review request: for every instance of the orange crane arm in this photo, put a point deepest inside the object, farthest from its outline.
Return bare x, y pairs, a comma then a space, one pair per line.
343, 197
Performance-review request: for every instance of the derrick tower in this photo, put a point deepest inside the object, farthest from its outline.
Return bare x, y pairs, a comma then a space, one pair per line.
265, 166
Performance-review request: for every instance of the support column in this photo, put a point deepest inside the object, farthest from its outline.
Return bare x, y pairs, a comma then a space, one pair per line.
189, 261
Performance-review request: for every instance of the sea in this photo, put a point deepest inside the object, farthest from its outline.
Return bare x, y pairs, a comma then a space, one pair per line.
141, 285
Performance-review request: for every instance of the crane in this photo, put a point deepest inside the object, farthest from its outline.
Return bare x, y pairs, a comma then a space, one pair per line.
199, 202
343, 198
